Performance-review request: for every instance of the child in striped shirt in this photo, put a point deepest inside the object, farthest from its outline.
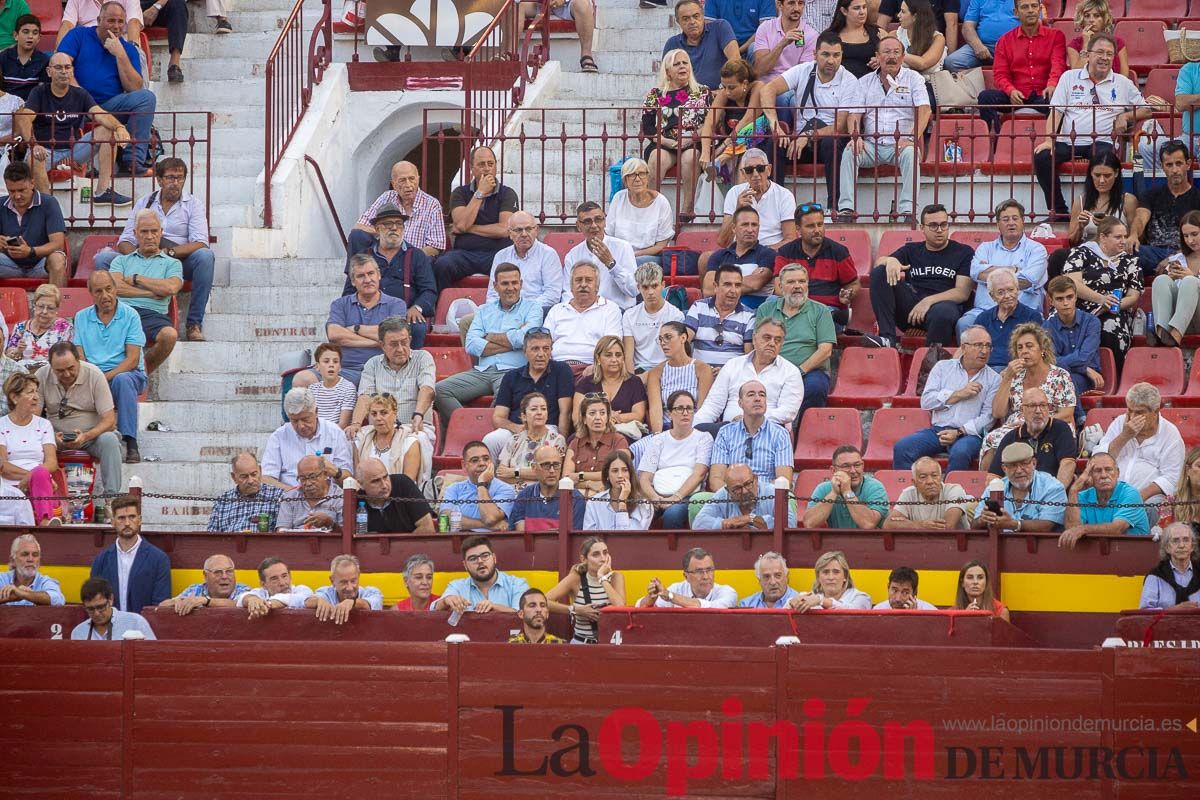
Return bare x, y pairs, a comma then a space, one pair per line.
335, 395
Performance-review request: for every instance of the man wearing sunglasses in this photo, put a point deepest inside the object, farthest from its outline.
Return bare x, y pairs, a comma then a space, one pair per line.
105, 621
752, 440
832, 275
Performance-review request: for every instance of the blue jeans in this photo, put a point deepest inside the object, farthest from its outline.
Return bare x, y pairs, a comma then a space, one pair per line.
1149, 257
125, 390
925, 443
675, 516
136, 110
197, 268
965, 58
816, 392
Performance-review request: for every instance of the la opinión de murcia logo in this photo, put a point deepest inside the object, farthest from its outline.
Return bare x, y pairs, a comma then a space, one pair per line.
633, 744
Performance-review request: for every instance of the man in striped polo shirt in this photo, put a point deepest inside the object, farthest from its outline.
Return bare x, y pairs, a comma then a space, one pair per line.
722, 326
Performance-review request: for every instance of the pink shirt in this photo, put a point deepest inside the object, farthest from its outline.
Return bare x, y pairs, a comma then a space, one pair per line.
770, 33
84, 13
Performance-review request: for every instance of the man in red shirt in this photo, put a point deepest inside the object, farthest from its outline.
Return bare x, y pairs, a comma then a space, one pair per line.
1029, 61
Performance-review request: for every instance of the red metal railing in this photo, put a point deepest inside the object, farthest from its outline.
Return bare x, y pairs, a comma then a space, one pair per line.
293, 68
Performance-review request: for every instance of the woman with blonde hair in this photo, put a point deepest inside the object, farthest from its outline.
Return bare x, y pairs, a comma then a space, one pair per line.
1092, 17
610, 377
31, 340
1187, 495
639, 214
833, 586
591, 585
673, 116
1032, 367
398, 447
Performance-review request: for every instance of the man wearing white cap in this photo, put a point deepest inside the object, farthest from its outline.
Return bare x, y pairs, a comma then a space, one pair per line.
1032, 500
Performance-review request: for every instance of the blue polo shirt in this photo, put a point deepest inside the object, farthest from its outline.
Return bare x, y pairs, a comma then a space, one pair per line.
1091, 513
370, 594
463, 496
19, 79
1045, 488
348, 312
556, 383
758, 257
95, 67
506, 591
159, 266
742, 15
1001, 332
104, 345
530, 504
992, 18
709, 55
42, 218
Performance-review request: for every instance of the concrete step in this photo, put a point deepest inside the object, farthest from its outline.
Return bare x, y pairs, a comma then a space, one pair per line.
248, 69
190, 448
205, 417
201, 92
257, 357
212, 388
228, 215
236, 45
311, 299
582, 90
321, 272
295, 327
206, 479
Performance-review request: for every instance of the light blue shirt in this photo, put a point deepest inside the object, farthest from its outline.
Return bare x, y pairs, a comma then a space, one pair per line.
1157, 593
514, 323
104, 345
122, 621
1188, 82
1133, 512
502, 495
201, 590
373, 596
1045, 488
1029, 260
541, 274
41, 583
771, 448
993, 19
871, 492
756, 600
505, 591
973, 414
159, 266
720, 507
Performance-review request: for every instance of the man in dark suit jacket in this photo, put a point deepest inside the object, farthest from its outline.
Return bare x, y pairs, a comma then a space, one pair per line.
140, 572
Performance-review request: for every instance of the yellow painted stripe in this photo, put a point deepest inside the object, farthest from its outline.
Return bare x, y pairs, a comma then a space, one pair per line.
1028, 591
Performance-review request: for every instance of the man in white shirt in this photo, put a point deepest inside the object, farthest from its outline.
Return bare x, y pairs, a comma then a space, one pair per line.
578, 324
276, 591
614, 256
902, 592
1090, 107
1012, 250
890, 114
541, 269
698, 589
776, 207
818, 115
784, 384
1149, 449
304, 434
640, 324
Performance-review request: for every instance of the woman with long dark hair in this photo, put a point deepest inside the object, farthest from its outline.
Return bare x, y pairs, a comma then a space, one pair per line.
975, 591
1176, 290
1103, 196
924, 44
859, 39
588, 587
680, 372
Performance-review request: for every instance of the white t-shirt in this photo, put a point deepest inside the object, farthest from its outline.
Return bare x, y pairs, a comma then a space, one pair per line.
643, 327
8, 104
15, 511
25, 442
641, 227
826, 99
774, 208
674, 459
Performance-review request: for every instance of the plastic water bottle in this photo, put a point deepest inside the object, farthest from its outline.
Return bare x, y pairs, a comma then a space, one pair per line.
76, 510
360, 518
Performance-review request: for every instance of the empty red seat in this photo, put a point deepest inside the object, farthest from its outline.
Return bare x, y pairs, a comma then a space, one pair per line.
821, 431
74, 298
1144, 43
858, 242
1108, 369
1191, 396
50, 12
867, 377
974, 482
466, 424
1067, 26
1102, 417
448, 296
894, 480
1014, 148
893, 240
889, 426
563, 241
806, 482
449, 360
1188, 422
14, 304
1157, 9
911, 397
93, 243
1161, 81
971, 134
1161, 366
698, 240
862, 315
1116, 8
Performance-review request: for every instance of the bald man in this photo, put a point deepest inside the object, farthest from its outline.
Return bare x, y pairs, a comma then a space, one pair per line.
426, 226
316, 503
394, 502
239, 508
148, 280
219, 589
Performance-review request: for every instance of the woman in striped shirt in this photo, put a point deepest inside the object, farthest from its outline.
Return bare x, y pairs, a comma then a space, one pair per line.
679, 373
590, 586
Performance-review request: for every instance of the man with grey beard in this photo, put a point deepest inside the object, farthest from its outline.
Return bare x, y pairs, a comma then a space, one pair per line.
24, 584
809, 333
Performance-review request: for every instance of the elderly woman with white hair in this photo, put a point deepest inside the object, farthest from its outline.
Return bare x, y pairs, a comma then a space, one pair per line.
673, 115
833, 586
1149, 449
639, 214
304, 434
31, 339
1175, 581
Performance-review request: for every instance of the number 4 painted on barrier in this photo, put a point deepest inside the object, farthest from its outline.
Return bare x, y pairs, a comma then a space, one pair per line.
616, 638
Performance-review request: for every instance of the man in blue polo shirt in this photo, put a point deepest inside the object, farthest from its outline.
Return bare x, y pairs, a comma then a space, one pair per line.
147, 279
984, 22
1003, 318
535, 507
708, 43
1102, 503
109, 334
484, 500
755, 260
542, 374
485, 588
33, 234
109, 68
743, 16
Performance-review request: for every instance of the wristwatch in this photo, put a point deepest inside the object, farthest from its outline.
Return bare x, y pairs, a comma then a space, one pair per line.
135, 279
670, 596
171, 252
356, 327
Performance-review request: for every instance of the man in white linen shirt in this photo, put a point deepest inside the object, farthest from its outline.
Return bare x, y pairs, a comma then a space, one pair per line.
1149, 449
541, 269
613, 256
304, 434
277, 590
577, 324
892, 110
784, 384
698, 589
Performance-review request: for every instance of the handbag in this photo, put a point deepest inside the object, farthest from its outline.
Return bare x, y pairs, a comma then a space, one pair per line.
957, 90
1182, 49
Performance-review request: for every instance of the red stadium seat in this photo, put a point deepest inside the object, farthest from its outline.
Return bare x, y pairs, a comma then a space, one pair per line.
1190, 397
1188, 422
894, 480
1161, 366
563, 241
893, 240
862, 315
969, 133
448, 296
449, 360
807, 481
975, 236
889, 426
74, 299
699, 240
1167, 10
1161, 81
866, 377
821, 431
858, 242
50, 12
1144, 43
1108, 369
911, 398
1067, 26
1102, 417
14, 304
93, 243
1014, 147
1116, 8
466, 424
974, 482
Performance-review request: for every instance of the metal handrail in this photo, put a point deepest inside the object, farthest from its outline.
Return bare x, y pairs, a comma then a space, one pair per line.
329, 200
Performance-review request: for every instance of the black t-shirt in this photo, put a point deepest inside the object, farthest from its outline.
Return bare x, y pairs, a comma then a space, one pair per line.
892, 9
19, 79
499, 201
69, 113
399, 516
932, 272
1165, 211
1056, 443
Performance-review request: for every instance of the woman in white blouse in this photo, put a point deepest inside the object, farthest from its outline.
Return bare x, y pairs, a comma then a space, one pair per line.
640, 215
620, 506
28, 449
675, 462
833, 587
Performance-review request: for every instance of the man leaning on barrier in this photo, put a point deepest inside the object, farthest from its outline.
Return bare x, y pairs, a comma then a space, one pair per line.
239, 508
746, 501
1100, 502
315, 503
344, 594
850, 498
24, 584
772, 572
902, 592
277, 590
698, 589
485, 588
219, 589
